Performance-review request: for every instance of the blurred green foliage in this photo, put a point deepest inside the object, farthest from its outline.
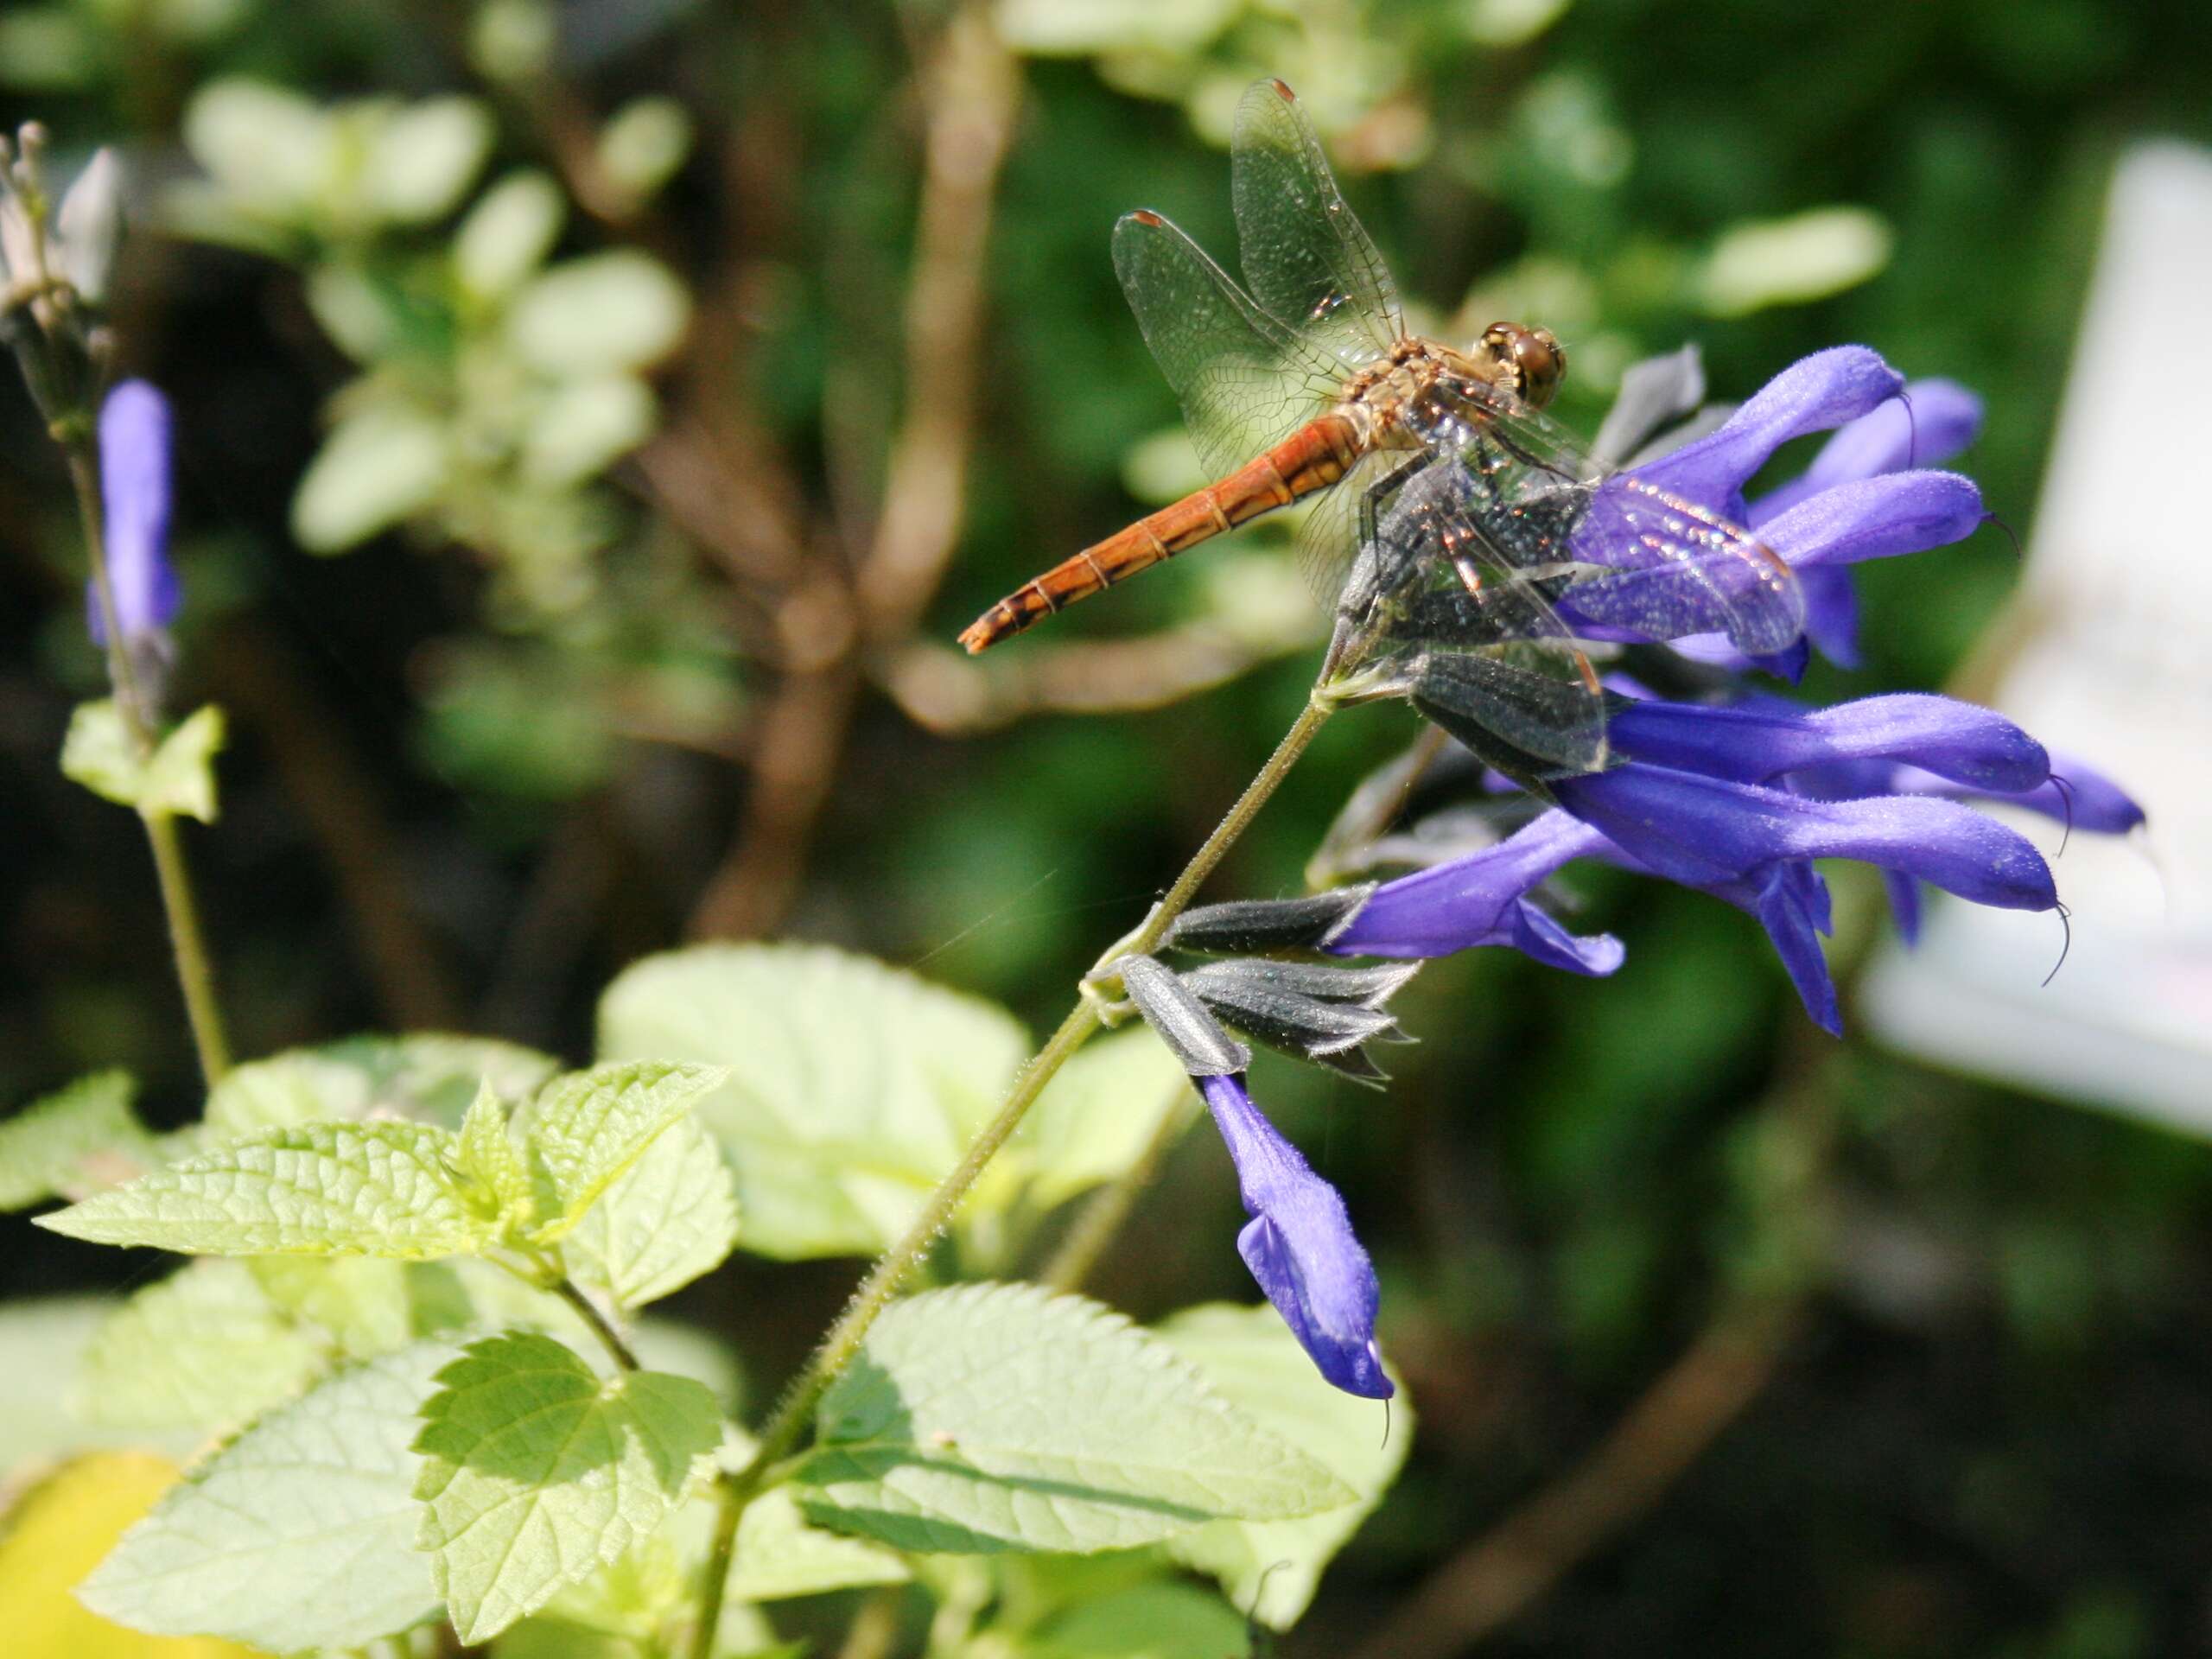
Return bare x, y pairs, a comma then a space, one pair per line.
432, 273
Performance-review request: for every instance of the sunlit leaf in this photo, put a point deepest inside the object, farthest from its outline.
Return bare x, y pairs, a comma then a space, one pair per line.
55, 1535
996, 1417
1272, 1567
536, 1471
177, 778
1788, 260
600, 312
585, 1129
508, 233
314, 1189
300, 1532
56, 1145
853, 1088
204, 1348
668, 1218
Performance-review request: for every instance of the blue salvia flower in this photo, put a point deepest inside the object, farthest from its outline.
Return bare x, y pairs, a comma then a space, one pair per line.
134, 443
1300, 1245
1854, 503
1737, 801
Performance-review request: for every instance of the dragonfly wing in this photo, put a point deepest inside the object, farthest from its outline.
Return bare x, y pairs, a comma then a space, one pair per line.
1245, 381
1309, 263
1648, 563
1473, 619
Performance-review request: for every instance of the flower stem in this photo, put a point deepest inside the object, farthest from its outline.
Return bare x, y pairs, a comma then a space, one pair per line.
781, 1434
587, 1311
194, 973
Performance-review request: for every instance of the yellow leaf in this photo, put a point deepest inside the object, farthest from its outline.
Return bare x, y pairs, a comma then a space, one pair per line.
56, 1533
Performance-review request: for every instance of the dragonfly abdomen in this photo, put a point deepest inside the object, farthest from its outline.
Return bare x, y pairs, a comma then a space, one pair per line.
1312, 457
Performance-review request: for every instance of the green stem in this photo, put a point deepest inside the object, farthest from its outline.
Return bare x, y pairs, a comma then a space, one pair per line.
782, 1432
195, 975
588, 1310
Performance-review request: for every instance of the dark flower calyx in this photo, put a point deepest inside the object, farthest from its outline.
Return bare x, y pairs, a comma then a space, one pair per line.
1244, 925
1175, 1014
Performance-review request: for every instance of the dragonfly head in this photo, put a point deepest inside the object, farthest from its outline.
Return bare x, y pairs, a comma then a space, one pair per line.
1530, 362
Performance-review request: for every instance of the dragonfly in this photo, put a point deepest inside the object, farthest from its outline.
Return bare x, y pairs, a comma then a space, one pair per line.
1460, 531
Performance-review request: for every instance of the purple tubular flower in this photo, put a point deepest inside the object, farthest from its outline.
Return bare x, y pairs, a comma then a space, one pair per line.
1761, 738
1300, 1246
134, 441
1814, 394
1706, 831
1481, 900
1929, 423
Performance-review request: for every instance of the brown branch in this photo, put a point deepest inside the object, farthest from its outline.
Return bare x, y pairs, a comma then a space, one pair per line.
970, 89
948, 692
1513, 1565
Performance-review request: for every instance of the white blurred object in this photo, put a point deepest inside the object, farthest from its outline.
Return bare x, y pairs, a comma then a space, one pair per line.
2115, 669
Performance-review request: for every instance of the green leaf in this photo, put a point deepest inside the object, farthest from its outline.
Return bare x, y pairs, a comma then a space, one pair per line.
536, 1471
584, 428
64, 1142
1273, 1566
586, 1128
601, 312
668, 1218
1809, 255
779, 1556
365, 1303
644, 142
423, 156
314, 1189
42, 1343
1145, 1621
382, 464
300, 1532
1098, 1116
852, 1089
1002, 1417
490, 1158
508, 233
269, 148
178, 780
428, 1077
204, 1348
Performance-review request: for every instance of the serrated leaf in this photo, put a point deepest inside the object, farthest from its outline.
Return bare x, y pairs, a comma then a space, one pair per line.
536, 1471
55, 1535
1273, 1567
490, 1158
427, 1077
585, 1129
668, 1218
298, 1534
853, 1088
202, 1349
314, 1189
63, 1143
178, 779
1002, 1417
1098, 1116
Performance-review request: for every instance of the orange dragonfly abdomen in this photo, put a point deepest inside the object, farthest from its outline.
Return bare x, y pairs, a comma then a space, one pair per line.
1312, 457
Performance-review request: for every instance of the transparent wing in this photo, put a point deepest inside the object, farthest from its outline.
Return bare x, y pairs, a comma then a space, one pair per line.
1643, 561
1245, 381
1310, 265
1489, 656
